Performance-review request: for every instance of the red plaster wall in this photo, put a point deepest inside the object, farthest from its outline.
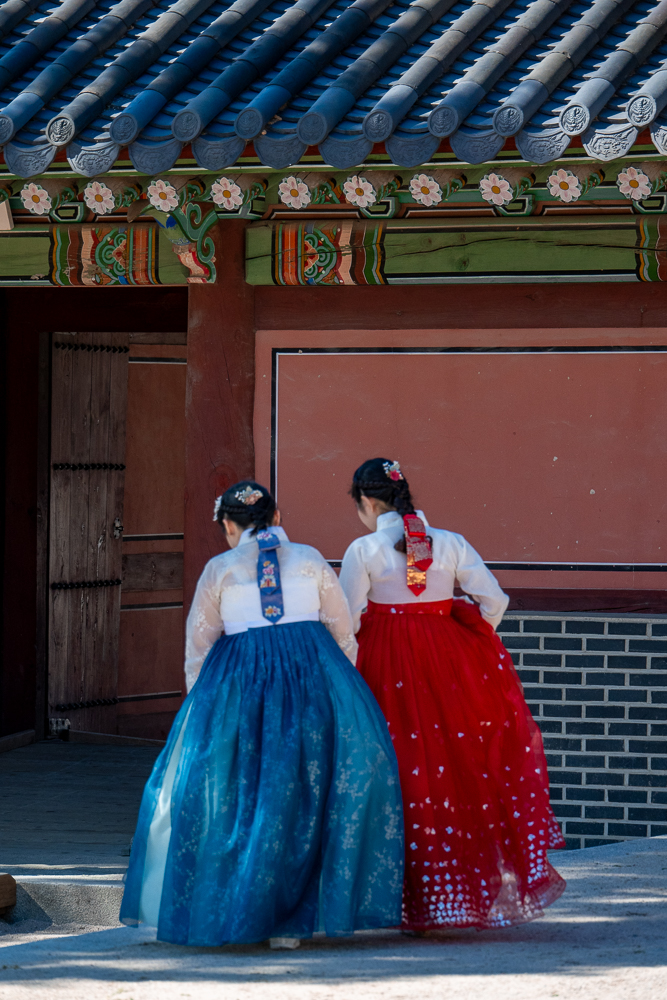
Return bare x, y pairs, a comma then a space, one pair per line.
532, 456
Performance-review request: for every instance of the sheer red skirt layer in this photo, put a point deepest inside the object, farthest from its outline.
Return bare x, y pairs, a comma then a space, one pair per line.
475, 787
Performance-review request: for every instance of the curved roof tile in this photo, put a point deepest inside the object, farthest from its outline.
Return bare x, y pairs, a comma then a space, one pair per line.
91, 76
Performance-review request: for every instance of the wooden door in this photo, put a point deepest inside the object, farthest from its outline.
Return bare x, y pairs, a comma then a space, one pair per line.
150, 666
88, 408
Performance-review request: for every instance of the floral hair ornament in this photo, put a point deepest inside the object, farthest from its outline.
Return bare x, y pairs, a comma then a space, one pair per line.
392, 470
216, 509
248, 496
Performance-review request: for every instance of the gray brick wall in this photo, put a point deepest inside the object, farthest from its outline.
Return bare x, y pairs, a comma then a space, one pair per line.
597, 687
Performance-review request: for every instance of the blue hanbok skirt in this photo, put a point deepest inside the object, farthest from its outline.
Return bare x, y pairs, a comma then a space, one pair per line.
274, 809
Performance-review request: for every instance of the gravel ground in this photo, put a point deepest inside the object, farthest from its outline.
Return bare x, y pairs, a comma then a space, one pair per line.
605, 939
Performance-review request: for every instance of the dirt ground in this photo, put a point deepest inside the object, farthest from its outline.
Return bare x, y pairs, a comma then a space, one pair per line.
605, 939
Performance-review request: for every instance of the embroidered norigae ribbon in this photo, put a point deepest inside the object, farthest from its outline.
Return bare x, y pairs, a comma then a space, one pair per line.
268, 576
418, 549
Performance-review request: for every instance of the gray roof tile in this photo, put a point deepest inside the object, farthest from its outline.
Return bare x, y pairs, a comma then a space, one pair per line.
93, 75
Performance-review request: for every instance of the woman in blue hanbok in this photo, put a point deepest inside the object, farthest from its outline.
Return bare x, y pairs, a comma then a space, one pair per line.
274, 809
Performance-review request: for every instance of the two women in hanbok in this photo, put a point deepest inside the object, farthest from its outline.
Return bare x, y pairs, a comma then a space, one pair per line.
275, 808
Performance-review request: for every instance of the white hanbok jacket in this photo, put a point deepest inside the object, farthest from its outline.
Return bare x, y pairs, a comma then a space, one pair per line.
374, 571
227, 598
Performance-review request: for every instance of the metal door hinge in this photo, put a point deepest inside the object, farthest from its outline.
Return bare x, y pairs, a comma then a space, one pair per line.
117, 528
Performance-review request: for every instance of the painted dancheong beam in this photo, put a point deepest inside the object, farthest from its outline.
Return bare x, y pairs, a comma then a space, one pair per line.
373, 253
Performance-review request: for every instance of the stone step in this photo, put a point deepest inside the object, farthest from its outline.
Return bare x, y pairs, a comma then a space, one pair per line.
55, 901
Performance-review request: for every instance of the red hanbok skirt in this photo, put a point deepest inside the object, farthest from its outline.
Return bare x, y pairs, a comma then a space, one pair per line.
475, 787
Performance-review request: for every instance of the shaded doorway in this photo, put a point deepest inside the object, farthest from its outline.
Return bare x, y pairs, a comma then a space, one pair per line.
115, 532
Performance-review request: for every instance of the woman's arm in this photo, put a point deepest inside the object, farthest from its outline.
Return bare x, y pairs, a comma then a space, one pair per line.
335, 613
204, 625
356, 582
478, 581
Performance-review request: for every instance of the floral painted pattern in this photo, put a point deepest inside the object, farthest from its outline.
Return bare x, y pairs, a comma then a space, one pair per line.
99, 198
293, 192
36, 199
119, 253
564, 185
495, 189
358, 191
634, 183
226, 193
162, 195
425, 190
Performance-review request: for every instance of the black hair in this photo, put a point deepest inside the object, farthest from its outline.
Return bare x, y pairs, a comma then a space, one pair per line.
372, 480
258, 514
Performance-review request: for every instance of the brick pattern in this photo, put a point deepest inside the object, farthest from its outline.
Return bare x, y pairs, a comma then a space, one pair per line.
597, 687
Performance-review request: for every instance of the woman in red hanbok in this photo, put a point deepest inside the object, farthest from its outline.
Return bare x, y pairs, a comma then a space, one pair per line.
475, 788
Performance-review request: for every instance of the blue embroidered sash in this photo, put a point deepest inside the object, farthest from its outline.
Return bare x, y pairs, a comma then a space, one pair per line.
268, 576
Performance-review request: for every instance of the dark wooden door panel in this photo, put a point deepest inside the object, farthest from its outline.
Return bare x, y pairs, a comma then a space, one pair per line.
144, 571
89, 401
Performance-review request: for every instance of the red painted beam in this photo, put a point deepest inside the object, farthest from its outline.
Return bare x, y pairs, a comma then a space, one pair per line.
460, 307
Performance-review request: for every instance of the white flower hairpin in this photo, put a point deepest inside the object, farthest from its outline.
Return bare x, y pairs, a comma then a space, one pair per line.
248, 496
216, 508
392, 470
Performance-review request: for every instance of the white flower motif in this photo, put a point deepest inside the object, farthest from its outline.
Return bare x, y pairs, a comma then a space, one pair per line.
358, 191
425, 190
162, 195
293, 192
99, 198
634, 184
35, 199
496, 189
226, 193
564, 185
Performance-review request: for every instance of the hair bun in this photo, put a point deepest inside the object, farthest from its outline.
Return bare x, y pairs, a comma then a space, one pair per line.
246, 503
383, 479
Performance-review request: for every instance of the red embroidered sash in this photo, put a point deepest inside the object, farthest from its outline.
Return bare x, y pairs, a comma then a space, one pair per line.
418, 549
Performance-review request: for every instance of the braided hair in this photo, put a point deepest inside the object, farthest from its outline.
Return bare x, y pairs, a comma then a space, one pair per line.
242, 505
372, 480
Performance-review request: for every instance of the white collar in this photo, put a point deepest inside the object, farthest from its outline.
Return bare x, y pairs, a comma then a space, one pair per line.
392, 519
248, 536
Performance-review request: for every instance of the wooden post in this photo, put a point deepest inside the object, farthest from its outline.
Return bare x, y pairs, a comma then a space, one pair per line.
219, 446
